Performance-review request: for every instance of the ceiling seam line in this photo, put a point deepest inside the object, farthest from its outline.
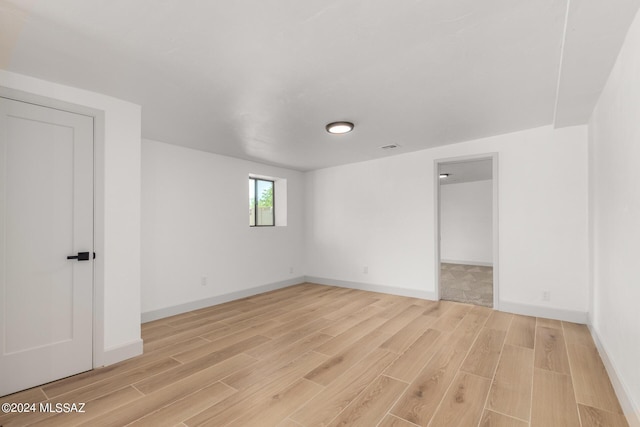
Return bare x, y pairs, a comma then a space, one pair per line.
564, 41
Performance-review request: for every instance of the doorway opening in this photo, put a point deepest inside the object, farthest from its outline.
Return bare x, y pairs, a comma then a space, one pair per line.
467, 230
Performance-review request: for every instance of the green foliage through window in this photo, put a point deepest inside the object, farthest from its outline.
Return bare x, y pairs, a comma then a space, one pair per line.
264, 213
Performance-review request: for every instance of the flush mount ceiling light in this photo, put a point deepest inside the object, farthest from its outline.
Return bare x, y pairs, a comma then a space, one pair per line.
339, 127
444, 175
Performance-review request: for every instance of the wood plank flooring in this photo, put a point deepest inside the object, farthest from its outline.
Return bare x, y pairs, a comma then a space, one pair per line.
313, 355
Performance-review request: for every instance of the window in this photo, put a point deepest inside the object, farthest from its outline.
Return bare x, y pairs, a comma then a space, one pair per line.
261, 206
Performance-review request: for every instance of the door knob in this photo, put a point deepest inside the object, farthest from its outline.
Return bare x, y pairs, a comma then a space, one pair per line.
82, 256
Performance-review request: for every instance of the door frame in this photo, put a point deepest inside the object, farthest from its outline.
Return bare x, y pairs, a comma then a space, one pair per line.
98, 204
493, 156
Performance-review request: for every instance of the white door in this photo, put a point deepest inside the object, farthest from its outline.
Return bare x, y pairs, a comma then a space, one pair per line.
46, 214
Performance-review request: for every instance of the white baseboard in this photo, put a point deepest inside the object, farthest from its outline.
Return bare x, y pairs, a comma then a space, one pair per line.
480, 263
508, 306
118, 353
218, 299
404, 292
544, 312
628, 407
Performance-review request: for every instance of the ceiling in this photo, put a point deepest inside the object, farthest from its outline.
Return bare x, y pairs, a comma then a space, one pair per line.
466, 171
260, 79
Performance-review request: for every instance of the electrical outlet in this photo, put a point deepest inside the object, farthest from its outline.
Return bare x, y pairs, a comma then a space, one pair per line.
290, 270
203, 280
365, 270
546, 296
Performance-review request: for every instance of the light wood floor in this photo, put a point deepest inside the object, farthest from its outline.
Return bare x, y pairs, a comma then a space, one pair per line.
314, 355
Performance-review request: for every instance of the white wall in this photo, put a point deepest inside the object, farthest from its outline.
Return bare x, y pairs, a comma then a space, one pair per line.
614, 134
195, 223
466, 216
117, 214
380, 214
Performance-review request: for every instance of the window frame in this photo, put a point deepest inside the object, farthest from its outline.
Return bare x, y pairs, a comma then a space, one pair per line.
255, 193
